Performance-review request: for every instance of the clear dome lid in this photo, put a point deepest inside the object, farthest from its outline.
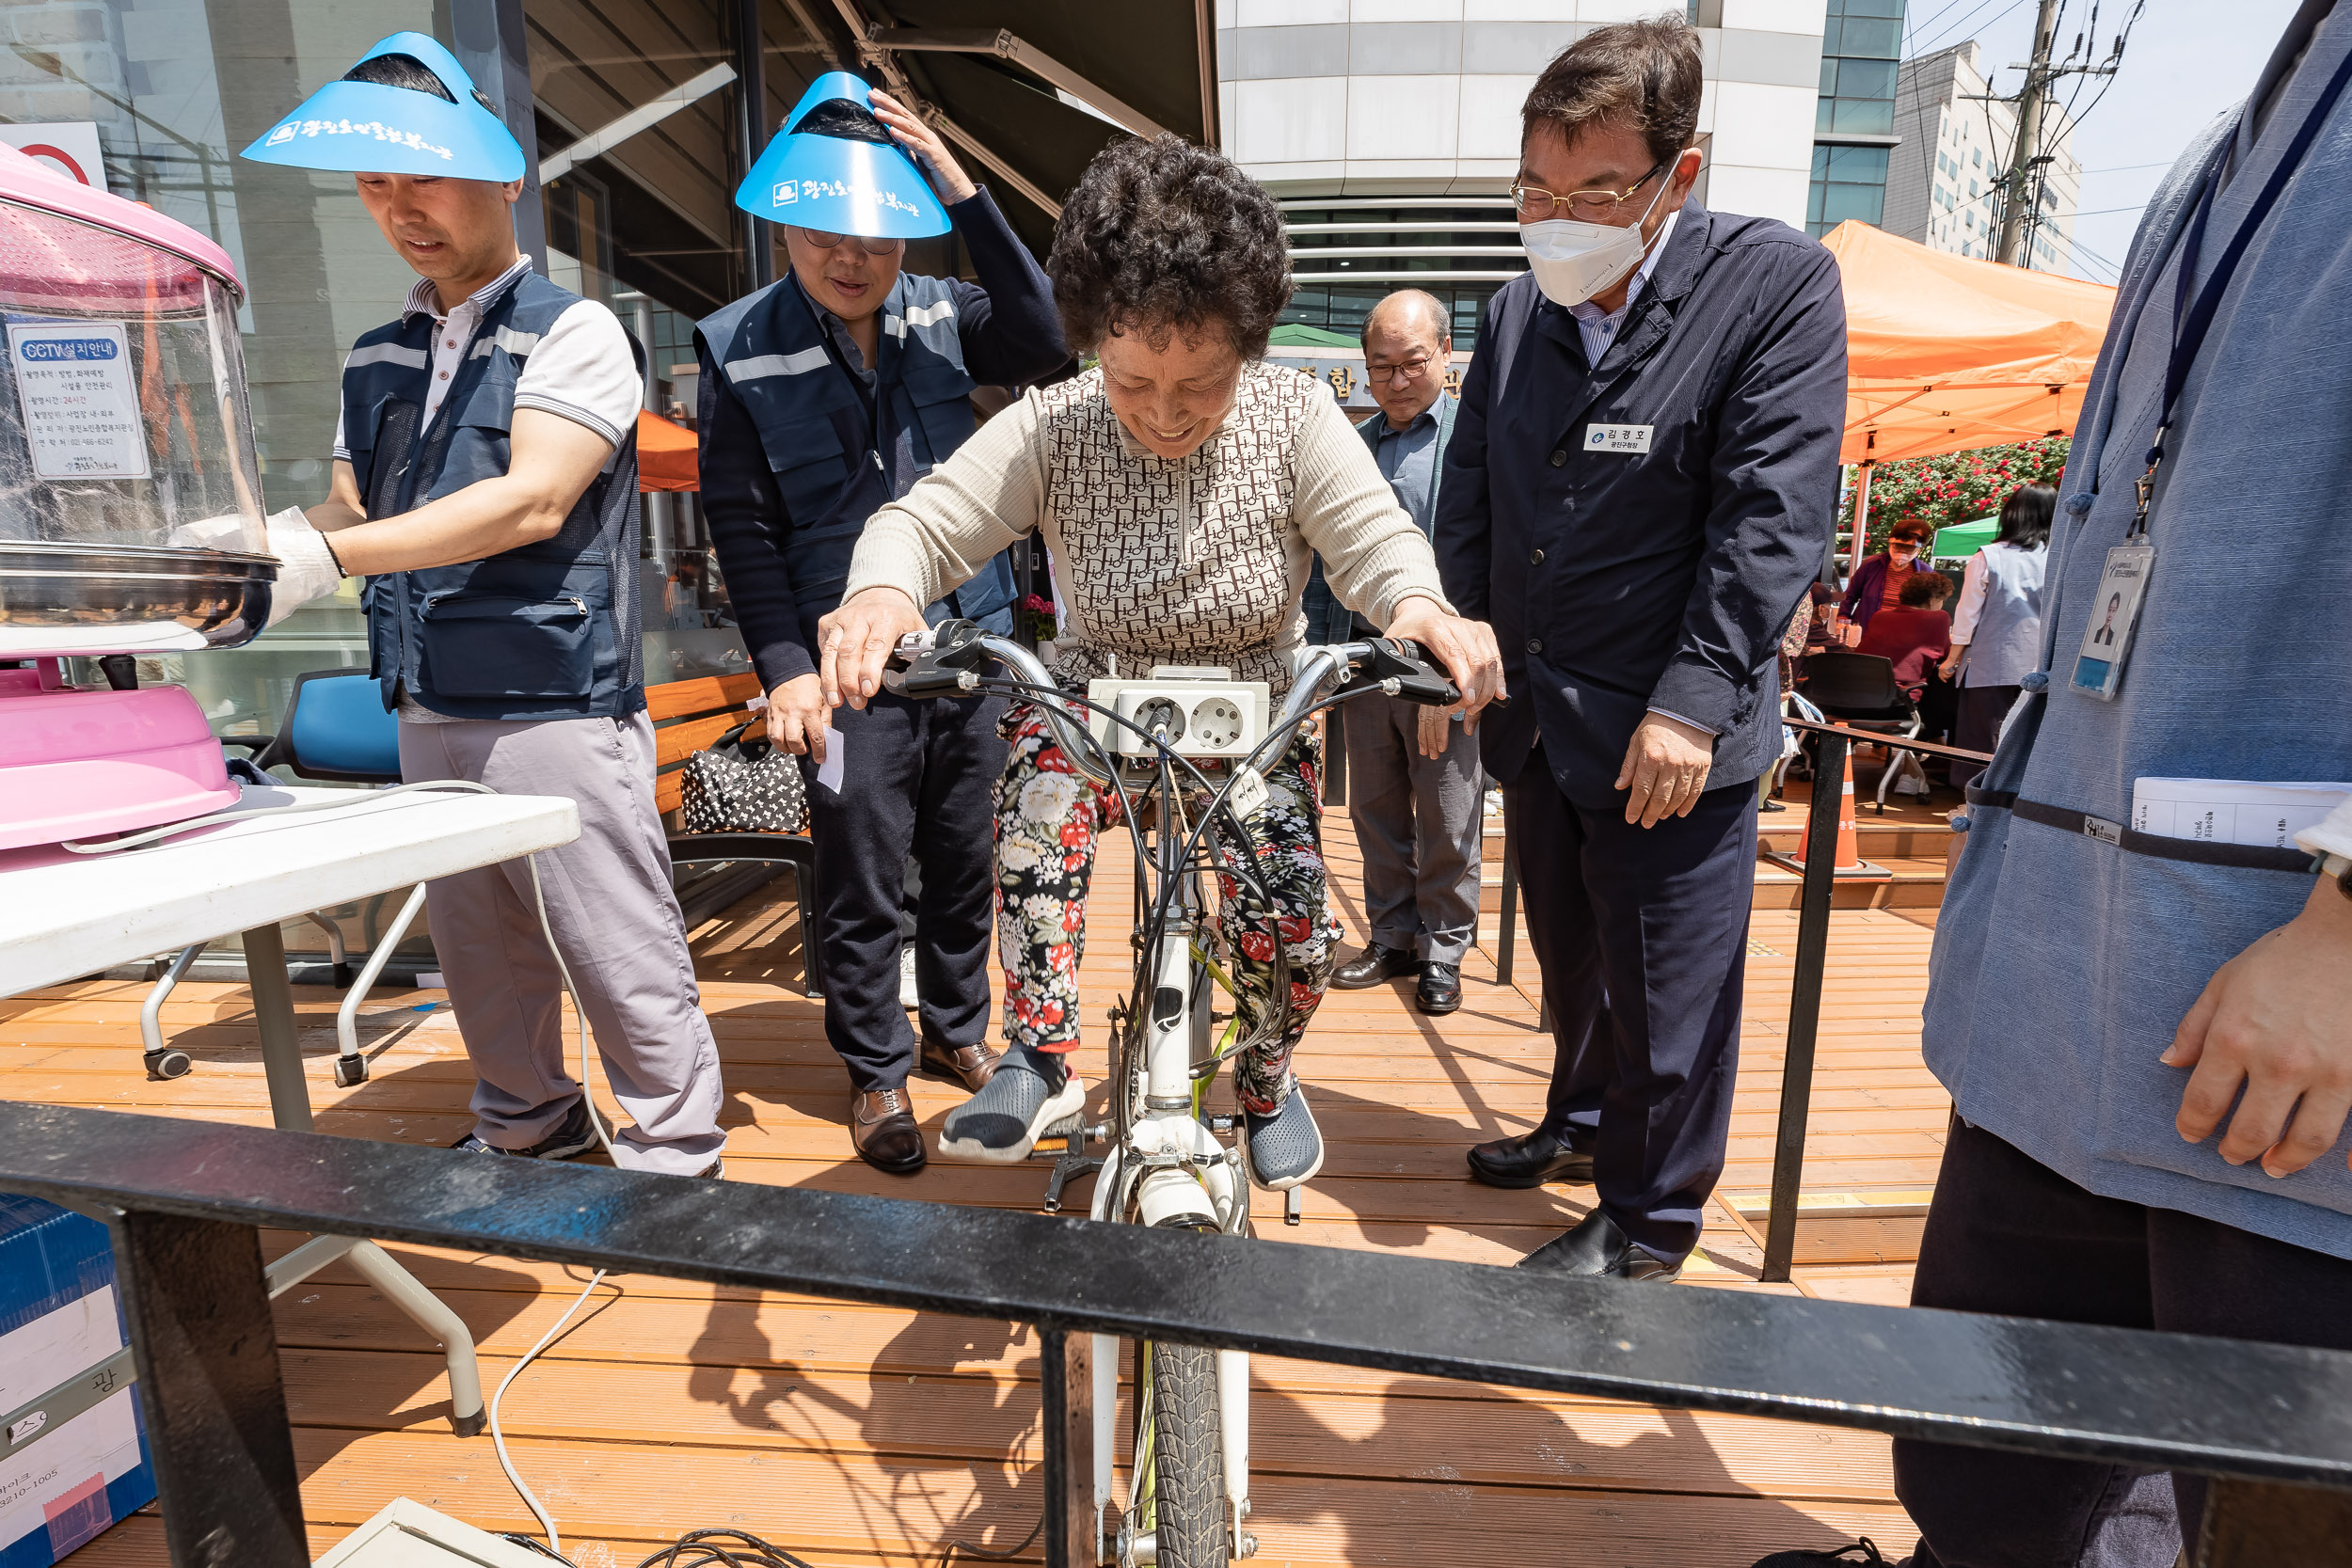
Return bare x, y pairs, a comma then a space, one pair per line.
124, 419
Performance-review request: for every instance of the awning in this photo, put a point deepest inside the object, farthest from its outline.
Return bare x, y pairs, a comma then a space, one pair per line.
1027, 95
1962, 540
1946, 353
666, 455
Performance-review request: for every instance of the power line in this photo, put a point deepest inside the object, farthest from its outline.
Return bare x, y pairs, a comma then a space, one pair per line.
1953, 30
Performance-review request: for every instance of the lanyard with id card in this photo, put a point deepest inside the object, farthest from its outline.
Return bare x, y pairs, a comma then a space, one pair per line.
2107, 644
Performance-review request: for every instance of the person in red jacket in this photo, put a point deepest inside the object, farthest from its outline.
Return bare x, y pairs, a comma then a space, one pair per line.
1914, 633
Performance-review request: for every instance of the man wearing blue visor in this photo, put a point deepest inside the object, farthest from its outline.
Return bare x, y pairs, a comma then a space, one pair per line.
824, 397
486, 485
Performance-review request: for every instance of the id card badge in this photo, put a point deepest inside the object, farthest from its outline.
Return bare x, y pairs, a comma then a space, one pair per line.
2114, 615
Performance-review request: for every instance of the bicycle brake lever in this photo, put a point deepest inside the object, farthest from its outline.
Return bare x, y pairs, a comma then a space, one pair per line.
949, 668
1417, 681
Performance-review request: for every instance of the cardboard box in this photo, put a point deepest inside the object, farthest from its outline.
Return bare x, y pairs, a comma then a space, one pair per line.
59, 1313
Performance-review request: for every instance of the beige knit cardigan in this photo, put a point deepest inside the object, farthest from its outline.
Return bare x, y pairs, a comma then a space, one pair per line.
1201, 560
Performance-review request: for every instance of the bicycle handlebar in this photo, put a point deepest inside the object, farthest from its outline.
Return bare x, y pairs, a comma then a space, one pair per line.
943, 661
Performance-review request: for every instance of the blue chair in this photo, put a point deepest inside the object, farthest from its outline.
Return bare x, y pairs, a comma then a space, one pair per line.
336, 729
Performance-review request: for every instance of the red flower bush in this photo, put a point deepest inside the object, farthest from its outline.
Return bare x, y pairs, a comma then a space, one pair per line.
1957, 487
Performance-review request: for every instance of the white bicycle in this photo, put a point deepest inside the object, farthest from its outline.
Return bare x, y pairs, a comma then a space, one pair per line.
1182, 735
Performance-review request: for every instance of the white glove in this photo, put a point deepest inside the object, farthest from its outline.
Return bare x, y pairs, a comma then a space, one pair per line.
224, 532
306, 568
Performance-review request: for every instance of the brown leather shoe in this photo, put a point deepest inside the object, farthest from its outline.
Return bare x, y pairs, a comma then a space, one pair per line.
969, 1066
882, 1125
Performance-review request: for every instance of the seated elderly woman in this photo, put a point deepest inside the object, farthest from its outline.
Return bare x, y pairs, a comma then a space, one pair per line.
1182, 486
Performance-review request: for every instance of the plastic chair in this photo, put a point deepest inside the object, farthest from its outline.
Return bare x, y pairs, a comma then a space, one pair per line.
1859, 691
336, 729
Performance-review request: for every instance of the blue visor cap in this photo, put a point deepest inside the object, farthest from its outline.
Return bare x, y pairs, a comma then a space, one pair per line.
834, 167
367, 128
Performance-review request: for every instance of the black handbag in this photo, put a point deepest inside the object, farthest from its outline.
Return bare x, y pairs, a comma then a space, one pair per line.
742, 784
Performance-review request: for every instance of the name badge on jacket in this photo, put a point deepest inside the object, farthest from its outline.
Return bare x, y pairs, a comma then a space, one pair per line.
1617, 437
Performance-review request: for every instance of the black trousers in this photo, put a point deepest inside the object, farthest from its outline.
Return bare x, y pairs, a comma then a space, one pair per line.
1981, 710
2009, 1235
1642, 936
918, 780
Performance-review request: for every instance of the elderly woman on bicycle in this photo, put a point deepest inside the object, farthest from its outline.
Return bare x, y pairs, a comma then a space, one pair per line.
1181, 485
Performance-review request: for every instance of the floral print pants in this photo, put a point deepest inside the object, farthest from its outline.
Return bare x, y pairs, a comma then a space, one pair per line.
1048, 818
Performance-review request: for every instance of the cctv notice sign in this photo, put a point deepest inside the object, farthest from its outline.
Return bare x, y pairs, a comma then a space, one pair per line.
81, 405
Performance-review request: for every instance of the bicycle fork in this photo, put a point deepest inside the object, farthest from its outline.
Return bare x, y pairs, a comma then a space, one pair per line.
1180, 1175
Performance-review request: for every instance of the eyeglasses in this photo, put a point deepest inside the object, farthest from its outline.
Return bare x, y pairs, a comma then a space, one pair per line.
1535, 204
823, 241
1411, 371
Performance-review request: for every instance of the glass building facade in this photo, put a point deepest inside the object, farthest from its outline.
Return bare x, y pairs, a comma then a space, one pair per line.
174, 88
1853, 121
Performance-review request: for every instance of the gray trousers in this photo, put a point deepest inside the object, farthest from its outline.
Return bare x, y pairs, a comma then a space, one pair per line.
616, 921
1419, 823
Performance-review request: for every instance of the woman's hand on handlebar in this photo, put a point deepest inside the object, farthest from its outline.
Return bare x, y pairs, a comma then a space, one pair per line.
1466, 650
854, 643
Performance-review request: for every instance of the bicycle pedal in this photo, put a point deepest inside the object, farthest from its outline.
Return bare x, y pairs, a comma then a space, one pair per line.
1060, 1138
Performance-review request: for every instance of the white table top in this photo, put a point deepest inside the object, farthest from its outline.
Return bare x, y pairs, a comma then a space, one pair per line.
63, 915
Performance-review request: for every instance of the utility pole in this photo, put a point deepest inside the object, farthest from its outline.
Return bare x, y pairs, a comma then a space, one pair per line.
2022, 190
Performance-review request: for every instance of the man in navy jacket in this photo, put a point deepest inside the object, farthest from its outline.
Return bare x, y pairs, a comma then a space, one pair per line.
1637, 494
824, 397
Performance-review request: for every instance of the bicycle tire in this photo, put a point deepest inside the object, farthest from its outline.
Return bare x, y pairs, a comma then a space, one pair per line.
1188, 1459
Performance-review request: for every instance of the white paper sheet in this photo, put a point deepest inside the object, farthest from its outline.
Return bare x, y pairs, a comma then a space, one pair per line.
829, 771
2231, 810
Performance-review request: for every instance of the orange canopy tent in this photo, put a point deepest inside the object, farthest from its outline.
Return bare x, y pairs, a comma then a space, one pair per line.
1946, 353
665, 455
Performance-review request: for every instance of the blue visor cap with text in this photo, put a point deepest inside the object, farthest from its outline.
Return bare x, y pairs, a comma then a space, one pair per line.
835, 168
370, 128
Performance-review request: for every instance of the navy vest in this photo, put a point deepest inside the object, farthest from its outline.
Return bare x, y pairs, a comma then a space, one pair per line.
810, 416
547, 630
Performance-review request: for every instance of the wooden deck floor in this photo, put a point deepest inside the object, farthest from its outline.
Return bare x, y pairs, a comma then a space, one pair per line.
862, 1436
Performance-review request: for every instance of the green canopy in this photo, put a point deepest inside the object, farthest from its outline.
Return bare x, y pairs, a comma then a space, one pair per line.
1292, 335
1962, 540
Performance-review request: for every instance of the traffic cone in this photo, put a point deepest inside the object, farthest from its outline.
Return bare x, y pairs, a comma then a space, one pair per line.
1850, 861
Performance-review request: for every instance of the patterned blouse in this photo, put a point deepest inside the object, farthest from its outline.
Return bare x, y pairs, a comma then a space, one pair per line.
1196, 560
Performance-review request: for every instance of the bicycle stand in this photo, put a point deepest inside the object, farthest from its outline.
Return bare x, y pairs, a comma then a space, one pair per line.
1064, 1143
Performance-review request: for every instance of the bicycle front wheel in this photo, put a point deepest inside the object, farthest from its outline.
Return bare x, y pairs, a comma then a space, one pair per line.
1188, 1459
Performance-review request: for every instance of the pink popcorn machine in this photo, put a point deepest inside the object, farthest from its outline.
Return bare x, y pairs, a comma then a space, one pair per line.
130, 505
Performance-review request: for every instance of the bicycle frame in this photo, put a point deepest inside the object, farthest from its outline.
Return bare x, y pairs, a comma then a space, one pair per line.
1165, 1163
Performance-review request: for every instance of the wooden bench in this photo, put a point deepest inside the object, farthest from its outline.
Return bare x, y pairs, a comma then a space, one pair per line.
688, 716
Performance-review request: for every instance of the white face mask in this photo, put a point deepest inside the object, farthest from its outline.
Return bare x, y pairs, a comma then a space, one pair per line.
1573, 261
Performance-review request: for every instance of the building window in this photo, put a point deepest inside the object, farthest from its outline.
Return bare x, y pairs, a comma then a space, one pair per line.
1861, 40
1848, 183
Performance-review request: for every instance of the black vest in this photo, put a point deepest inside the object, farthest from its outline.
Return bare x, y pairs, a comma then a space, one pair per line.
815, 435
547, 630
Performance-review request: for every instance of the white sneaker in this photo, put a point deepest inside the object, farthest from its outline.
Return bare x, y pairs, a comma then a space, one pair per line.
908, 995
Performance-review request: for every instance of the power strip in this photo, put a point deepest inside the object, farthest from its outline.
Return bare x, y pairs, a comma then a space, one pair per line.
407, 1534
1202, 713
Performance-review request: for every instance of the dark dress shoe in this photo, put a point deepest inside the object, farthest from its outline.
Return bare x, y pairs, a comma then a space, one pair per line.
1441, 989
1862, 1554
1596, 1249
1374, 966
883, 1128
1529, 1162
969, 1066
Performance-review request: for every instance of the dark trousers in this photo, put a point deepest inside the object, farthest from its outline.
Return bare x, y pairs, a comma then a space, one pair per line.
1642, 935
1420, 822
2009, 1235
918, 778
1979, 726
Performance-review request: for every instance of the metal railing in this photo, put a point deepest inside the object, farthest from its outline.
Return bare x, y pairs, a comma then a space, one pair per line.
184, 1200
1832, 743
